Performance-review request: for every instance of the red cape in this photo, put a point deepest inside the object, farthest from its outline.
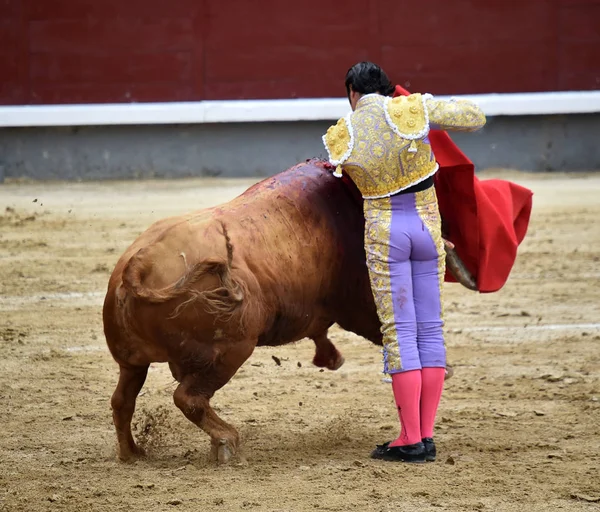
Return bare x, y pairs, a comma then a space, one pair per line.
485, 219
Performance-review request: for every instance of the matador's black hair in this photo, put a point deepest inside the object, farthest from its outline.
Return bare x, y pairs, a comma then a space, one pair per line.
367, 78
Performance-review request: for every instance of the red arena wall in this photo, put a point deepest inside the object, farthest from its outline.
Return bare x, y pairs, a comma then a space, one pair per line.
91, 51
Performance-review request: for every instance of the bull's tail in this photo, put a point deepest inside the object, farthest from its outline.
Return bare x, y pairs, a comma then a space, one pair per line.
224, 300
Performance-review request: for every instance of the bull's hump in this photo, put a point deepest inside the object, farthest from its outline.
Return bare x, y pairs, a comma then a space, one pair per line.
300, 178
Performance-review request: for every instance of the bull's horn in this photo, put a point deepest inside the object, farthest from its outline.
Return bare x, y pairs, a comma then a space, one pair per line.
457, 267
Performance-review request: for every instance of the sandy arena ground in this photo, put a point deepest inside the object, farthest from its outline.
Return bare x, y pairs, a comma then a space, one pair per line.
519, 424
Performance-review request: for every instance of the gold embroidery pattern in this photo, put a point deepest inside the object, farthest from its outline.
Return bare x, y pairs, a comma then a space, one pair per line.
378, 221
407, 116
427, 208
383, 146
381, 162
338, 141
459, 115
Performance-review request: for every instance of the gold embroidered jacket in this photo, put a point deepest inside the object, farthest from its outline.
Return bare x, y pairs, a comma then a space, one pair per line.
383, 144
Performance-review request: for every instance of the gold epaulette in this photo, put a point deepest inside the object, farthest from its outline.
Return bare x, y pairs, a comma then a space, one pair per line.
407, 117
339, 141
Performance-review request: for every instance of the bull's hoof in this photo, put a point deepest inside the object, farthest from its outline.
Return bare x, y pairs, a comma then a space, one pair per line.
331, 364
338, 363
221, 451
449, 372
131, 454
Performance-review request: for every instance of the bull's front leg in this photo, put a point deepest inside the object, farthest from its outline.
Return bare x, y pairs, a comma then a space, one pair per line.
326, 354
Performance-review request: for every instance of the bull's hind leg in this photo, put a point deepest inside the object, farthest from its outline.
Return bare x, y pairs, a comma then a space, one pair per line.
195, 404
131, 380
326, 355
197, 387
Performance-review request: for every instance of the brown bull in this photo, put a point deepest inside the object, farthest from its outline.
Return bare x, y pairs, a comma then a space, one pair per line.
282, 262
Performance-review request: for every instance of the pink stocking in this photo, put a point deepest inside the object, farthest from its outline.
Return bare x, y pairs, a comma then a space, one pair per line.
407, 394
431, 392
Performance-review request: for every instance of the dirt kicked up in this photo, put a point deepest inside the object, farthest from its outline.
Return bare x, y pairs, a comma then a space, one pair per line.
519, 423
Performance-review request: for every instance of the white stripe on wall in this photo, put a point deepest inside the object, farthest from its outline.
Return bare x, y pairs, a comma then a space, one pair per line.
250, 111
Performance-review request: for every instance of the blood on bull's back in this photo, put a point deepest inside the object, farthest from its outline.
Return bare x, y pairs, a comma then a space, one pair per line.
301, 234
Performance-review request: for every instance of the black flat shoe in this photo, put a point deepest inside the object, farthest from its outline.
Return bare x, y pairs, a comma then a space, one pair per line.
414, 453
430, 451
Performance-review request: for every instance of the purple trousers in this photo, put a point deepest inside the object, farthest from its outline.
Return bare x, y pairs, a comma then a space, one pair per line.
406, 262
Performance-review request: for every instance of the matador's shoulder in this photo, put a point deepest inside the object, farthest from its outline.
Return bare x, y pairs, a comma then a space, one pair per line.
407, 115
339, 141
